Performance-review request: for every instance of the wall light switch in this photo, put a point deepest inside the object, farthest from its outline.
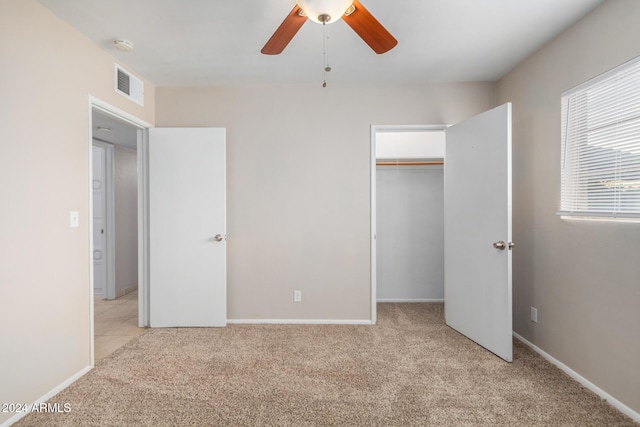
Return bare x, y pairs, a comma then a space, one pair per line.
297, 296
74, 219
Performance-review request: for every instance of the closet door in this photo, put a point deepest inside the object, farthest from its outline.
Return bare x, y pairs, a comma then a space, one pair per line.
477, 230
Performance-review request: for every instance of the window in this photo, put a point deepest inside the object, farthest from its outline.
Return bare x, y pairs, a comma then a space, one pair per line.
600, 160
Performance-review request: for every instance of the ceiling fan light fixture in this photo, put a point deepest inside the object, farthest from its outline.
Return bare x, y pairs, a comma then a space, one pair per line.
352, 12
324, 11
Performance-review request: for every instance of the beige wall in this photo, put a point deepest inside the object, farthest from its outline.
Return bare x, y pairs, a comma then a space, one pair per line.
584, 277
298, 161
126, 219
47, 73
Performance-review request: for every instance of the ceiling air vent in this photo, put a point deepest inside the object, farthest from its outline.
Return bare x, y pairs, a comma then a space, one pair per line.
129, 85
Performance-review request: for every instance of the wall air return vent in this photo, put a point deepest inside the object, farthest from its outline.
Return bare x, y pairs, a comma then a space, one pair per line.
129, 85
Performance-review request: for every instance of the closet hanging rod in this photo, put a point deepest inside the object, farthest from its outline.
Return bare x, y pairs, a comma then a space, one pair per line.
410, 163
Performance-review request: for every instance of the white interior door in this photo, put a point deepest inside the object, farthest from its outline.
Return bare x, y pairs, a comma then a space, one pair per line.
99, 223
187, 227
477, 204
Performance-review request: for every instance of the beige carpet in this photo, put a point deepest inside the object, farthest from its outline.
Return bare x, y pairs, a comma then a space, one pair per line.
410, 369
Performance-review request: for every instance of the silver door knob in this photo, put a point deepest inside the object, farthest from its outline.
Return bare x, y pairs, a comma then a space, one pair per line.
219, 238
499, 245
511, 245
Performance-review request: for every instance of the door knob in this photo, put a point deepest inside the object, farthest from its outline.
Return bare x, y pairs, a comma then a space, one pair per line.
499, 245
219, 238
511, 245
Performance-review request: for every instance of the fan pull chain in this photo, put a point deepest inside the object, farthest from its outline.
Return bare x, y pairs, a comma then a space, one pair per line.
327, 68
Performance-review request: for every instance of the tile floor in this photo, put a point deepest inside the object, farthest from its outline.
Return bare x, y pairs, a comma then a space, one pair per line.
115, 323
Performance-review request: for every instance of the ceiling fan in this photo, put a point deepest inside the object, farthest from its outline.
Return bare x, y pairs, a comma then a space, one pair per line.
328, 11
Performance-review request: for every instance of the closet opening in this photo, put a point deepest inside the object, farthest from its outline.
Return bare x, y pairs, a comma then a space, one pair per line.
407, 214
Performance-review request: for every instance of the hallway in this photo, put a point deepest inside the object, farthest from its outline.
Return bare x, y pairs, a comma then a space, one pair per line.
116, 323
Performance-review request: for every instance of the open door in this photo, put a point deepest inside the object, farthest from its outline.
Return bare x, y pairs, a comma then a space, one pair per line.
187, 227
477, 230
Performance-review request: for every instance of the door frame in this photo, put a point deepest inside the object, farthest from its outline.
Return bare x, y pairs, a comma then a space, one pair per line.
143, 210
109, 290
375, 129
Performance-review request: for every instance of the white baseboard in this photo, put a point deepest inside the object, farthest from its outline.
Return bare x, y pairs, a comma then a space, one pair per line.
582, 380
410, 300
298, 322
47, 396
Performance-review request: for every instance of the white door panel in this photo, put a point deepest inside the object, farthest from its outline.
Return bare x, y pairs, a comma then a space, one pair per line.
477, 214
99, 211
187, 210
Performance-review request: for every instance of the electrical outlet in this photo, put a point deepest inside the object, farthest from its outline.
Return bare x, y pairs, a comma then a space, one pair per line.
297, 296
534, 314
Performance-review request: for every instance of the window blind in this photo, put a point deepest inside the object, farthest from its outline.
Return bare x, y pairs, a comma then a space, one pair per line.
600, 142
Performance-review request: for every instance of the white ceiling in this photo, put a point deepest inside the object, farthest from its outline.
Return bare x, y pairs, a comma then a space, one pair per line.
218, 42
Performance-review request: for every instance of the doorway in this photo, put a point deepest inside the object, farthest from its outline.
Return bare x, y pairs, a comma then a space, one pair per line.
477, 227
115, 233
407, 216
115, 205
117, 147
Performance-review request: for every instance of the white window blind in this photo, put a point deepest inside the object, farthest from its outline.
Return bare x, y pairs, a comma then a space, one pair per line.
600, 160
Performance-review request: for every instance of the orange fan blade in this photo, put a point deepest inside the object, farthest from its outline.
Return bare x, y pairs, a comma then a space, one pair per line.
369, 29
285, 32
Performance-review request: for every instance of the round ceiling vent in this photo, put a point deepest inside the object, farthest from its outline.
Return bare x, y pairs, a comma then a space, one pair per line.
123, 45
